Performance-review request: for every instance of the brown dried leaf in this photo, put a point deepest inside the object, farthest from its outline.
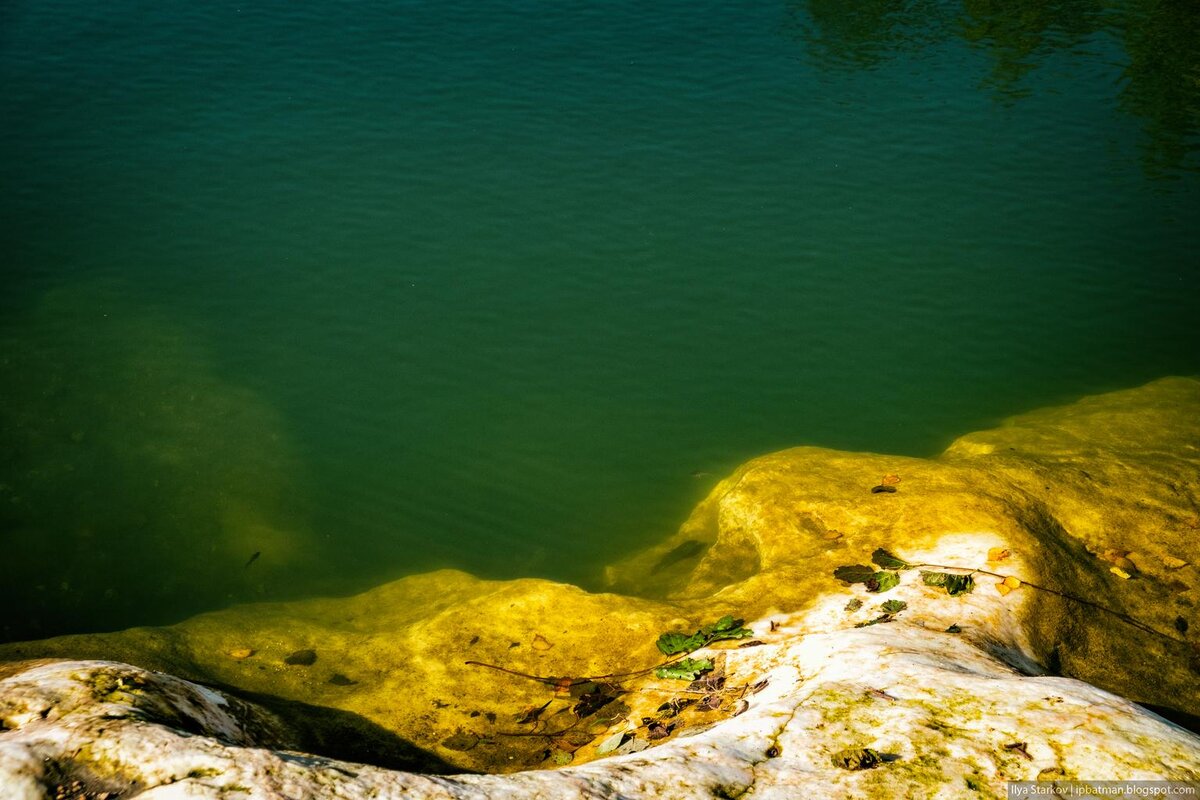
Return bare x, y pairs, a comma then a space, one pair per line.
656, 730
672, 707
856, 758
711, 683
532, 714
1119, 558
1019, 747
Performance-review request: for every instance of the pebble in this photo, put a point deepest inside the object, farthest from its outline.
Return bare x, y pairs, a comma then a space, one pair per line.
303, 658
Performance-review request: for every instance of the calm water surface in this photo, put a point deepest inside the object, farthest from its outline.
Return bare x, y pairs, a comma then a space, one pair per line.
371, 289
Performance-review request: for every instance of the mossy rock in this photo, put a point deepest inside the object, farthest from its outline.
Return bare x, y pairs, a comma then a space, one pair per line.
1059, 489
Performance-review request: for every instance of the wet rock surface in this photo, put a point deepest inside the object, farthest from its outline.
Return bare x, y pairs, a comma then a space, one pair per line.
1076, 527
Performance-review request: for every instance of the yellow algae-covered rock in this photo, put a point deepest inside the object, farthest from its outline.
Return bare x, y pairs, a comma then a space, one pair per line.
394, 661
1058, 487
1036, 513
889, 710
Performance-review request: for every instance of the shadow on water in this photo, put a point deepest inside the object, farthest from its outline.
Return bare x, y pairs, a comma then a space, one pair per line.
1160, 63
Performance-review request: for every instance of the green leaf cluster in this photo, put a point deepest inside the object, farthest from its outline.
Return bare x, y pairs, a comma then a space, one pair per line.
882, 581
854, 573
876, 581
893, 606
675, 642
726, 627
953, 584
886, 560
687, 669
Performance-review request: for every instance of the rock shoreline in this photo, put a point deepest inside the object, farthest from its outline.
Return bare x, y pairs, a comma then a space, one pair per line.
1091, 510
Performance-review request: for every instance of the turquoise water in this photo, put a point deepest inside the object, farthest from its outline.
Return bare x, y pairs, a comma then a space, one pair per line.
371, 289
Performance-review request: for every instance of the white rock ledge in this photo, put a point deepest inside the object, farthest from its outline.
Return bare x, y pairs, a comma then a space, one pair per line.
940, 709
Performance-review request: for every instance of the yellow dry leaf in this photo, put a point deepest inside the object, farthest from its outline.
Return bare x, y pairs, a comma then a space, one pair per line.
831, 535
1007, 585
998, 554
240, 653
1171, 562
890, 479
1120, 573
541, 642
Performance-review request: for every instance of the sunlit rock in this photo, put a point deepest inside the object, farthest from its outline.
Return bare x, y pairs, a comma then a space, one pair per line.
1075, 524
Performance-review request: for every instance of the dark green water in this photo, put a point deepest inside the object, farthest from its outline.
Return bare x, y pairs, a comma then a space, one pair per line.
377, 288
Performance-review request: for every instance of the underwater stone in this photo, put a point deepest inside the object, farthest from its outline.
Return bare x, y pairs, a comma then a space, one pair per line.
303, 658
1058, 489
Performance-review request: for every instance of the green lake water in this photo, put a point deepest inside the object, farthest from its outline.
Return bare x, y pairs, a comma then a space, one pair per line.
371, 289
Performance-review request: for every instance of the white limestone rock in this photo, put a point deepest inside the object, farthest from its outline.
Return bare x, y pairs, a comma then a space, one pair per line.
938, 706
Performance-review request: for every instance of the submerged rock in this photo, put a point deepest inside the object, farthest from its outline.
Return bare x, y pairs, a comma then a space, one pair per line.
302, 658
1025, 673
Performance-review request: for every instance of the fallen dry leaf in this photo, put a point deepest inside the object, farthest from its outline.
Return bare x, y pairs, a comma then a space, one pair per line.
1119, 558
240, 653
541, 642
1007, 585
1019, 747
890, 480
831, 535
998, 554
1171, 562
1120, 573
532, 714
